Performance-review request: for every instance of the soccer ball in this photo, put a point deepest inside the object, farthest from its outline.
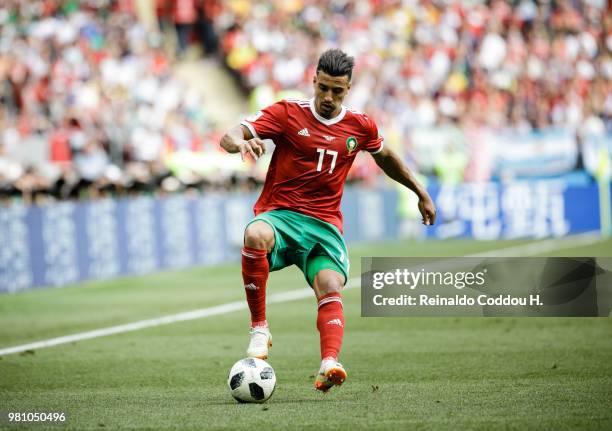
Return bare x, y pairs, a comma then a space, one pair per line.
251, 380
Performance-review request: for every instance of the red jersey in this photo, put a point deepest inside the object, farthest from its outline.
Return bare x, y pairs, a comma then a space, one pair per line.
312, 158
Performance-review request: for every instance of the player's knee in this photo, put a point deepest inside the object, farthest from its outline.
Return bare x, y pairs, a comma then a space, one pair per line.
259, 235
328, 281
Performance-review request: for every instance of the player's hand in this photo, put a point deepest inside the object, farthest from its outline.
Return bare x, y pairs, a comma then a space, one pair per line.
428, 210
255, 147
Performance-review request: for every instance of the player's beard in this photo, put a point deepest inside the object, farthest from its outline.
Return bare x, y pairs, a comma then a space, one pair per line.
327, 109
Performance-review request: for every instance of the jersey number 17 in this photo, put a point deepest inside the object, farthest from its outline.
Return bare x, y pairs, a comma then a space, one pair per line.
333, 154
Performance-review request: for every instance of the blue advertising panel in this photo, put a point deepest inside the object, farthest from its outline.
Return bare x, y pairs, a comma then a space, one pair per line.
70, 242
518, 210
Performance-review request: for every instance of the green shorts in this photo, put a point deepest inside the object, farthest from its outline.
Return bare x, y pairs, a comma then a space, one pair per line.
309, 243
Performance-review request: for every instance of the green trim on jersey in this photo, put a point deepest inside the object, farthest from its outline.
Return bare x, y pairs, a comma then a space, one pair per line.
307, 242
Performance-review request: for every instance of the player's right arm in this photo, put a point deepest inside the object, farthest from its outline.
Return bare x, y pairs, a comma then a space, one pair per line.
240, 139
268, 123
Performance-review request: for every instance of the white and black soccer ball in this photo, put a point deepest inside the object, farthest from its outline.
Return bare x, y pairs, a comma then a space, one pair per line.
251, 380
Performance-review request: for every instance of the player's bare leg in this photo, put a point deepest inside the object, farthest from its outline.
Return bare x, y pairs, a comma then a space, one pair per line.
258, 241
330, 323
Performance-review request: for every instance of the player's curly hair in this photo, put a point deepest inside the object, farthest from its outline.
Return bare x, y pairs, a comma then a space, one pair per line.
335, 62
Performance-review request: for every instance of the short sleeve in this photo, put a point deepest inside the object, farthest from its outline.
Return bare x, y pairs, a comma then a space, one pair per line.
269, 122
375, 142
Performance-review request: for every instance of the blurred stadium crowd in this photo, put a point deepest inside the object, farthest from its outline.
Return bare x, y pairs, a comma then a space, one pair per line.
89, 102
446, 79
467, 91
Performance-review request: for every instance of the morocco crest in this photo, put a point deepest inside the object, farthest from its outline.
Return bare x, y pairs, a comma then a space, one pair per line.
351, 144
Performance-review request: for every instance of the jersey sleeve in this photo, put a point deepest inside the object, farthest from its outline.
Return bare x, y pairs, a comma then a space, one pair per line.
269, 122
375, 142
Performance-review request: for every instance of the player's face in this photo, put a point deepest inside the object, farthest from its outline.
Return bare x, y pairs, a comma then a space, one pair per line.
329, 93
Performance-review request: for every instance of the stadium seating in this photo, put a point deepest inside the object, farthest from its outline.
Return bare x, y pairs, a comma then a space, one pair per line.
90, 103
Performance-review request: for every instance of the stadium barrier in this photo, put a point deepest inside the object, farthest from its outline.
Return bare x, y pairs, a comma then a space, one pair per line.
502, 153
69, 242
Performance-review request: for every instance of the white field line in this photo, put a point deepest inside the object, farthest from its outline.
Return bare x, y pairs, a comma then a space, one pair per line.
292, 295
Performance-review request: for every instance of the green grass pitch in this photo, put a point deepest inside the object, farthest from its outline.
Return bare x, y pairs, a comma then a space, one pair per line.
404, 373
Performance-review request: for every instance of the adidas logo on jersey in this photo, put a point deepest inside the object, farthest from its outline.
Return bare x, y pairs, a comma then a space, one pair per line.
304, 132
336, 322
251, 286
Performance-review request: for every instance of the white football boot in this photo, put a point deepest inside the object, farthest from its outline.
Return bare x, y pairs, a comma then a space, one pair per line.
261, 341
331, 374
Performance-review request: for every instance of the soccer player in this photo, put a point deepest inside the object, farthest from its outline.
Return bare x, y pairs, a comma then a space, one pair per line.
297, 216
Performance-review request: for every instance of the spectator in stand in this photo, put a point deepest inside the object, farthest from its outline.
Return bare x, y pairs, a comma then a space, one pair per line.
207, 13
185, 14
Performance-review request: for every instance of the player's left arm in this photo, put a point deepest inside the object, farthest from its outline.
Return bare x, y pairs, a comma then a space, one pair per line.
393, 166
